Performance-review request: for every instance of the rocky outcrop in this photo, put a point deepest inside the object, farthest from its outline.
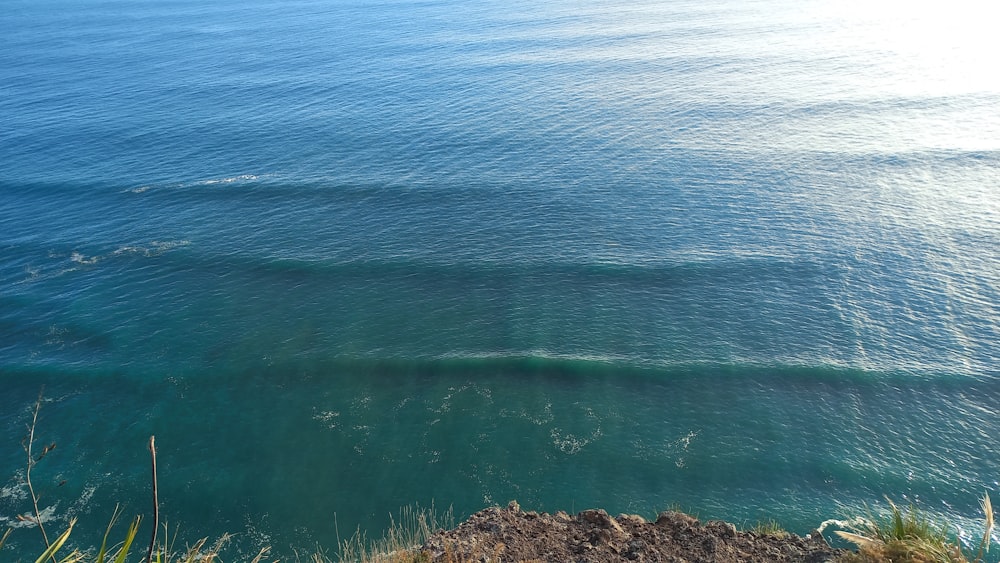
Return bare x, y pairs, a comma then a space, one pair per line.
510, 535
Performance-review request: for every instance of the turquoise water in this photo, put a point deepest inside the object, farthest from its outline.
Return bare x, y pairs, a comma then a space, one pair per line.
343, 257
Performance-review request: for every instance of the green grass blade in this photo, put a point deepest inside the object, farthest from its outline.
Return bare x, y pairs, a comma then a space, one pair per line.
56, 545
133, 529
104, 542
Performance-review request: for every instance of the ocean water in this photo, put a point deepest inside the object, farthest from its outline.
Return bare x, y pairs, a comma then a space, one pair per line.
344, 256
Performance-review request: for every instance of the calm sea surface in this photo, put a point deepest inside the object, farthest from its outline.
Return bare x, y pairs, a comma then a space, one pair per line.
345, 256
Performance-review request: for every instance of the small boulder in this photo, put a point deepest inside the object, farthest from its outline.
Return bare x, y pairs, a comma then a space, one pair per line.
673, 519
817, 537
633, 519
601, 519
721, 529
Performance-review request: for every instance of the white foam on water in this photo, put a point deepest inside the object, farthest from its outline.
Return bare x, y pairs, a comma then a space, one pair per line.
570, 443
539, 419
329, 418
240, 178
16, 491
681, 446
46, 515
55, 335
83, 259
538, 354
81, 262
81, 504
257, 532
155, 248
229, 180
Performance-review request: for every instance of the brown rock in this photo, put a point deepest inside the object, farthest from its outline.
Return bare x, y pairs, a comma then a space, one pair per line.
675, 519
721, 529
602, 519
633, 519
592, 536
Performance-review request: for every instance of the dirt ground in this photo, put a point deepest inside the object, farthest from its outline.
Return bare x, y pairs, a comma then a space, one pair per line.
512, 535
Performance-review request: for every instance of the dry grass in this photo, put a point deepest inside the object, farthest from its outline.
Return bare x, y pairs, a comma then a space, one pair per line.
909, 536
401, 542
769, 528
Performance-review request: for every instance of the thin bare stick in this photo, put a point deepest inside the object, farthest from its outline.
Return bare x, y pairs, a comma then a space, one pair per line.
31, 463
156, 502
261, 554
5, 536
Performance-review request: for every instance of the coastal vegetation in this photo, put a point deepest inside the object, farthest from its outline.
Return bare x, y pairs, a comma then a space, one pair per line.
911, 535
769, 528
900, 535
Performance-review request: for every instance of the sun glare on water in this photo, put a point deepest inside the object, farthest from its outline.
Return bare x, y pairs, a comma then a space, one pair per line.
942, 48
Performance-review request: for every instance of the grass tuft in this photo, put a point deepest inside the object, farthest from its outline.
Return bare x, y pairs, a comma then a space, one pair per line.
984, 545
769, 527
909, 536
401, 542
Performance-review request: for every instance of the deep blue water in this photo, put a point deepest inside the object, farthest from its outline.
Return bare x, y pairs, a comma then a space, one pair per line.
341, 257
